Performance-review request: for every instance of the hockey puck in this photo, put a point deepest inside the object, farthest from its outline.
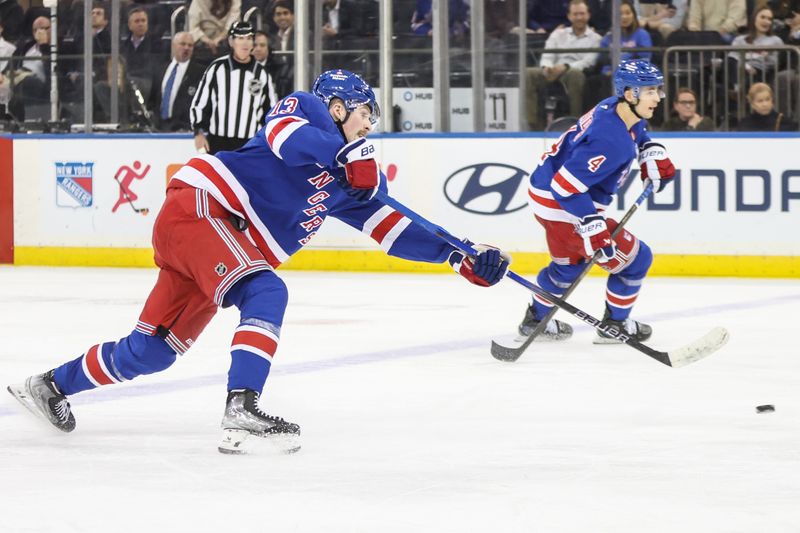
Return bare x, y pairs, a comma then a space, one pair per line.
765, 408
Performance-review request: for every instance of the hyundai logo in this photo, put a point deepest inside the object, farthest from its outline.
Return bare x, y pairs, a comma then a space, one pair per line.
487, 188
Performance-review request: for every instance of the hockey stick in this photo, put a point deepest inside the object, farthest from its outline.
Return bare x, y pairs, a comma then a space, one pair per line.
511, 354
690, 353
144, 211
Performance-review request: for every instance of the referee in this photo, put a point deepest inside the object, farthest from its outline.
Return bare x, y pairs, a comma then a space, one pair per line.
232, 98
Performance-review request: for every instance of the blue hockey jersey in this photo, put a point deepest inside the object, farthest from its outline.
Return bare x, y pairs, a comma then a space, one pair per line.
580, 173
283, 183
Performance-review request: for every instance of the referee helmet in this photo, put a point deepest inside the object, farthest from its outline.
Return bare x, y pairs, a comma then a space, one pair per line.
241, 29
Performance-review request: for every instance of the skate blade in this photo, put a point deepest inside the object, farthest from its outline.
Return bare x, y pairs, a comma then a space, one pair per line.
238, 442
23, 396
20, 392
233, 442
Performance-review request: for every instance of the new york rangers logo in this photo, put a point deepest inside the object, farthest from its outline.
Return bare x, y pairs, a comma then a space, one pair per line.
74, 184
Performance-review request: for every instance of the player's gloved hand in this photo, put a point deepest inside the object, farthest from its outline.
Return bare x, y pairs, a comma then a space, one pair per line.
655, 165
594, 232
485, 269
362, 174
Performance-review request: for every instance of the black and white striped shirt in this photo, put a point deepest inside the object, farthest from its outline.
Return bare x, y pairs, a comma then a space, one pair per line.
232, 99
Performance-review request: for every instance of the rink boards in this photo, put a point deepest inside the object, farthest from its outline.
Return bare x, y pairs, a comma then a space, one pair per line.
734, 209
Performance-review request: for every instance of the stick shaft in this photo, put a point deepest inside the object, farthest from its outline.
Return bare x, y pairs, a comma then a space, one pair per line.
512, 354
662, 357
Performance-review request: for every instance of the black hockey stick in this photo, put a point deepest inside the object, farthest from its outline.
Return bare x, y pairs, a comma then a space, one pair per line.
690, 353
144, 211
511, 353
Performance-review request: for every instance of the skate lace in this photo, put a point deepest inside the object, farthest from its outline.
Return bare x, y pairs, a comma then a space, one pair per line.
275, 419
62, 409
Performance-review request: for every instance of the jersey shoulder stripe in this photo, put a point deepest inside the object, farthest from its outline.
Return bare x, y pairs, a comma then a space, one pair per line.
209, 173
278, 131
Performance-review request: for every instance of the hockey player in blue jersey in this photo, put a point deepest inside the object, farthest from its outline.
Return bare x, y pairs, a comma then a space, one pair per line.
575, 182
227, 224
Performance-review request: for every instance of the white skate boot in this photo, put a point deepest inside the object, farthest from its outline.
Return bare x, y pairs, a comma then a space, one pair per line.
40, 395
243, 418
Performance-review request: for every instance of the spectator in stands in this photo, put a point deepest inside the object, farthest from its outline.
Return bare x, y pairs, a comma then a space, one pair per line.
261, 53
685, 116
722, 16
665, 18
209, 21
759, 33
763, 116
178, 85
142, 51
261, 48
598, 85
13, 16
348, 18
783, 9
6, 48
101, 66
28, 74
500, 18
787, 80
567, 68
101, 43
282, 64
545, 16
633, 36
422, 18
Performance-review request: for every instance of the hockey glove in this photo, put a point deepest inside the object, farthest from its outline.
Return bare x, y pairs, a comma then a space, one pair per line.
362, 175
655, 165
594, 232
485, 269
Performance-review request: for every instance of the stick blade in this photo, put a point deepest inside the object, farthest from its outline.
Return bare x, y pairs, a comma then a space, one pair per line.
699, 349
509, 353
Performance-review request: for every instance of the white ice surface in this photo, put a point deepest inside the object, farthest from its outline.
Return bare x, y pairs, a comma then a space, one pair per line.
408, 423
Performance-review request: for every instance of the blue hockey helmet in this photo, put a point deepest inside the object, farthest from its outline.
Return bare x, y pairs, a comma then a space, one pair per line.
348, 87
635, 74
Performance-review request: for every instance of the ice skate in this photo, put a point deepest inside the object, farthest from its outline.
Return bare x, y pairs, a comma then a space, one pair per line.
555, 330
40, 395
243, 418
636, 330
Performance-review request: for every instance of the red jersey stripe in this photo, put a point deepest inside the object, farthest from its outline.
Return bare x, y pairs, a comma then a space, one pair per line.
279, 128
205, 168
257, 340
94, 366
566, 185
616, 300
541, 200
385, 226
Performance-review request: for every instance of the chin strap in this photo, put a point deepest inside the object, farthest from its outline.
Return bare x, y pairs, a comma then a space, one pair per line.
632, 106
340, 124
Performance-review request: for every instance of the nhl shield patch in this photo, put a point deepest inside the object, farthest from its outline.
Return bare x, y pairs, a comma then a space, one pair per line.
255, 86
221, 269
74, 184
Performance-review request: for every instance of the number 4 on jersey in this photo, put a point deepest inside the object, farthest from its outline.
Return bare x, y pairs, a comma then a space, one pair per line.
595, 162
